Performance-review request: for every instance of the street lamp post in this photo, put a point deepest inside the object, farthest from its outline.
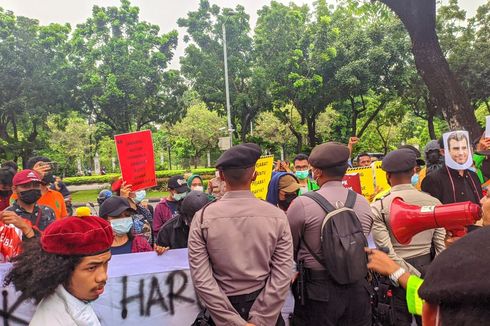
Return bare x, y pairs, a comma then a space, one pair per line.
227, 88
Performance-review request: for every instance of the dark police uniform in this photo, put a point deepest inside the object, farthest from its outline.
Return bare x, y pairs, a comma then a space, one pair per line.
326, 302
240, 252
414, 257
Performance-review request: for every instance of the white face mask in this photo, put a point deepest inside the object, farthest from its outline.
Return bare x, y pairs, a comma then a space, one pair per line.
198, 188
216, 174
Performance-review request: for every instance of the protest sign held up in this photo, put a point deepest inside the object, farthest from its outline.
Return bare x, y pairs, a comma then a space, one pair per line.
136, 158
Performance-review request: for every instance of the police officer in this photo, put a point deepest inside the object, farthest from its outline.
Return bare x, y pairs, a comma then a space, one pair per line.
326, 302
415, 257
240, 249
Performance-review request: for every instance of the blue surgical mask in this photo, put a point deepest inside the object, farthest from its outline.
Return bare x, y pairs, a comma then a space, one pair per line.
302, 174
140, 195
415, 179
472, 168
121, 226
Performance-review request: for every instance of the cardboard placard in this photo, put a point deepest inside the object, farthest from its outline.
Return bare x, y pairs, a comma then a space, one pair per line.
137, 159
263, 167
366, 177
352, 182
380, 177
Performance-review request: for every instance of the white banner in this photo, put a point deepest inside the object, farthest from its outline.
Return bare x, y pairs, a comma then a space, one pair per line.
142, 289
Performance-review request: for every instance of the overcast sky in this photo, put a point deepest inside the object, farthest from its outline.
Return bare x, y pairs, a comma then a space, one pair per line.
161, 12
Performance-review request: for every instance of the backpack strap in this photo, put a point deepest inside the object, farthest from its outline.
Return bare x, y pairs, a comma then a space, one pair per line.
351, 199
320, 200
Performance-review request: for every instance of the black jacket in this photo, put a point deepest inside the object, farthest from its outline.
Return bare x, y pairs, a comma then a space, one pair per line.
449, 187
174, 233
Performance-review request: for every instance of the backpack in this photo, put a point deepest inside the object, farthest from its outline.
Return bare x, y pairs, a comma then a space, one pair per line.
342, 241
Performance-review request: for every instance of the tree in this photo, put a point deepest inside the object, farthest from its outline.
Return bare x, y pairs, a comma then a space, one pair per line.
203, 63
466, 45
69, 139
419, 18
294, 50
196, 133
35, 81
122, 77
274, 133
372, 61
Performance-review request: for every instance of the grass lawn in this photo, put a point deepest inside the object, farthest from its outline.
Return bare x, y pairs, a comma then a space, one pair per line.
85, 196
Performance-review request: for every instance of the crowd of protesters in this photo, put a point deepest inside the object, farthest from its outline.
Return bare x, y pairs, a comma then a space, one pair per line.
242, 250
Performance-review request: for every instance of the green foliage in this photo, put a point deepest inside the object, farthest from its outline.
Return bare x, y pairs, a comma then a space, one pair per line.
34, 83
121, 63
196, 133
203, 63
111, 177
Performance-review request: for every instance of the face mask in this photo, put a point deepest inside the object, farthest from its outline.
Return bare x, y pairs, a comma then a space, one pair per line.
216, 174
140, 195
302, 174
284, 204
198, 188
122, 226
179, 197
30, 196
5, 193
415, 179
472, 168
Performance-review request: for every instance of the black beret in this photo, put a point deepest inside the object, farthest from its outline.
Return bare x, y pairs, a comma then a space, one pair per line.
399, 160
329, 155
239, 157
459, 274
412, 148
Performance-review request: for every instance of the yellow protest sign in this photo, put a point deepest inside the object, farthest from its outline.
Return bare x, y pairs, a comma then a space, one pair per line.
367, 179
263, 167
380, 177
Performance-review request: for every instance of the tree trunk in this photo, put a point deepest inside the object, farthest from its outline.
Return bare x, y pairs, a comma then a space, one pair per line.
354, 117
311, 123
419, 18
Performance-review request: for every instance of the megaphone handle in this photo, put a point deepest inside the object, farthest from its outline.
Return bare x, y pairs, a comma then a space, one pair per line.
458, 232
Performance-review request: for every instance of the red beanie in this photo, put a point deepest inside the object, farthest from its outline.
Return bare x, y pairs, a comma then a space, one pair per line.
84, 236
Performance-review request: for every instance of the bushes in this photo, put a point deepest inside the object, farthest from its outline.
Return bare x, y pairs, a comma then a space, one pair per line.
162, 177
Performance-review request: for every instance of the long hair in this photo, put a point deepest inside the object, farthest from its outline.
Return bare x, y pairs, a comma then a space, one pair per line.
37, 273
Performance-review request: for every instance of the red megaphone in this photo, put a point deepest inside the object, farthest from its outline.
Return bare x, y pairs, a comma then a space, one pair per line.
408, 220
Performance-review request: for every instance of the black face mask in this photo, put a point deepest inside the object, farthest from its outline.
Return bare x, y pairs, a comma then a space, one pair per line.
30, 196
284, 204
5, 193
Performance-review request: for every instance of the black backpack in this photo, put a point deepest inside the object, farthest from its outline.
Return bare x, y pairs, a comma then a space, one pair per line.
342, 241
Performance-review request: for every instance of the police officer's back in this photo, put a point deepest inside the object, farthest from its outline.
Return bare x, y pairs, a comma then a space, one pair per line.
416, 256
240, 252
326, 302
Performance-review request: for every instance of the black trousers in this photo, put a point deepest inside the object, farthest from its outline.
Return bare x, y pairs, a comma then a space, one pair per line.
402, 315
330, 304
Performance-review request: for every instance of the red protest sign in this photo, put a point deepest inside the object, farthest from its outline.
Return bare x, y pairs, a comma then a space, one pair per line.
137, 159
352, 182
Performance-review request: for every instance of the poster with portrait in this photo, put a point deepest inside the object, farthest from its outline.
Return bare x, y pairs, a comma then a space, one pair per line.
457, 150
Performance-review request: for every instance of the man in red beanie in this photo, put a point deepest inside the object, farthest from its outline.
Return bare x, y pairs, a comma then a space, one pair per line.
64, 271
